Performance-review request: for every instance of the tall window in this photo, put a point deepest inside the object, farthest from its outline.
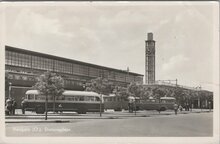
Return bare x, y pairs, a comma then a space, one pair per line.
94, 72
111, 75
120, 76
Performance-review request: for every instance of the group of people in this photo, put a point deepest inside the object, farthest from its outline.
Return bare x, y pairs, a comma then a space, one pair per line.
180, 108
10, 106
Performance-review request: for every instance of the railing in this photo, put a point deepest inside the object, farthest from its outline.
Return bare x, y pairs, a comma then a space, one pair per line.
161, 82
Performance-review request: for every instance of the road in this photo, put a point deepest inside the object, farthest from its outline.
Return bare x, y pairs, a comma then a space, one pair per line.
184, 125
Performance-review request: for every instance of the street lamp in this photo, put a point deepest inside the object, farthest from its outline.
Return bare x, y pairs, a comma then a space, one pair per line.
9, 92
100, 107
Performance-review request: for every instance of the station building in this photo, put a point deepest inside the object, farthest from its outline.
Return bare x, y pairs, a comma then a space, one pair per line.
22, 68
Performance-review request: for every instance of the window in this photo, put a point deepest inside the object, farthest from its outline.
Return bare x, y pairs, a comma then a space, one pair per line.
7, 58
89, 98
69, 98
67, 68
130, 78
81, 98
60, 97
111, 75
97, 99
105, 74
47, 64
40, 97
30, 96
94, 72
120, 76
76, 98
36, 62
14, 59
64, 67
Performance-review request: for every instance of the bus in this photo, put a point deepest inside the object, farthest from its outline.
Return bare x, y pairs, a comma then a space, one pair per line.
78, 101
117, 103
165, 103
114, 102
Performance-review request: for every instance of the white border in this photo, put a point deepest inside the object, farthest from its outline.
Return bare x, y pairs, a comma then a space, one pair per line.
139, 140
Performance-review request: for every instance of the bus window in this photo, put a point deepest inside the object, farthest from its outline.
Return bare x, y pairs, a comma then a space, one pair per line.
97, 99
26, 96
81, 98
40, 97
163, 101
68, 98
76, 98
60, 97
30, 97
87, 98
152, 100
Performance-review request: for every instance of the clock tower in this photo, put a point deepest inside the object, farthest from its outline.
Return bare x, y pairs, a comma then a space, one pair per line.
150, 59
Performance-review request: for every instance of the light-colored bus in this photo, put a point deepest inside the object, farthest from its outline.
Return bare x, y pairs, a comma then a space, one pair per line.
78, 101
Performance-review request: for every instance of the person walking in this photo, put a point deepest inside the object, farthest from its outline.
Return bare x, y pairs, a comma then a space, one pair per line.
175, 106
60, 108
209, 106
180, 108
14, 106
9, 106
23, 106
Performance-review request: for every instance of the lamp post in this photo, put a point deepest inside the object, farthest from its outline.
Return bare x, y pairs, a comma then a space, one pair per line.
100, 108
9, 91
135, 106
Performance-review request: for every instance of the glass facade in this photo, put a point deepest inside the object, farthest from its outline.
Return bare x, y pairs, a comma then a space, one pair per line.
38, 62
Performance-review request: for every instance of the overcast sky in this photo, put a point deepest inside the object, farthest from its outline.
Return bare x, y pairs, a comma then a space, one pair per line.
114, 35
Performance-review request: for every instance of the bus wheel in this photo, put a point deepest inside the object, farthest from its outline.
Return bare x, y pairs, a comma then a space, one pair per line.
162, 109
117, 109
39, 110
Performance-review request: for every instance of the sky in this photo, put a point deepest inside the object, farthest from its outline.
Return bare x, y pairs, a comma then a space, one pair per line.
113, 35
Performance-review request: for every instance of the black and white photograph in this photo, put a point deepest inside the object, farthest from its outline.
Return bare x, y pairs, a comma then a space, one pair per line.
110, 72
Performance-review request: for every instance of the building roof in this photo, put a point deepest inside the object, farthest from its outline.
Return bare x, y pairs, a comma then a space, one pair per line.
10, 48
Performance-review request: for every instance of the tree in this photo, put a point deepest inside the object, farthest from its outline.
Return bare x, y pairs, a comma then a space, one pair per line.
121, 92
100, 86
158, 93
50, 84
135, 90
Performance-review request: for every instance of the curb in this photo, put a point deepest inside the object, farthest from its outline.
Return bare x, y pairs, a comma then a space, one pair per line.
36, 119
46, 121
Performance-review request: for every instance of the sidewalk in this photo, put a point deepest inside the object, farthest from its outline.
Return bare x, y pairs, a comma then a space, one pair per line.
32, 117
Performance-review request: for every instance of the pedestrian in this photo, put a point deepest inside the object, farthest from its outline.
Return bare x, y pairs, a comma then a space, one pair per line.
23, 106
180, 108
60, 108
187, 107
175, 106
9, 106
209, 106
14, 106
